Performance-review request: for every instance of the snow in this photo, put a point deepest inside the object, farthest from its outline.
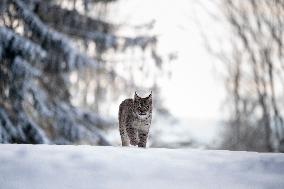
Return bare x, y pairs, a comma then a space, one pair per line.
89, 167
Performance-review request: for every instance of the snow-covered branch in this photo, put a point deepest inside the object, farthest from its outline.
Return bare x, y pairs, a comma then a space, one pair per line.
16, 44
8, 133
65, 20
73, 23
71, 125
24, 130
49, 37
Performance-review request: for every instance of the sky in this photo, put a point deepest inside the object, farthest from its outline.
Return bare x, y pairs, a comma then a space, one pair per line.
195, 92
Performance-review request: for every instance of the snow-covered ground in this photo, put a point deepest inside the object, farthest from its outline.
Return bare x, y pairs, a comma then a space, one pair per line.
87, 167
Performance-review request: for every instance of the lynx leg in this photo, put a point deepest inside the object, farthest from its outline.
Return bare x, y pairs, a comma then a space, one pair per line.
124, 137
133, 135
122, 118
143, 135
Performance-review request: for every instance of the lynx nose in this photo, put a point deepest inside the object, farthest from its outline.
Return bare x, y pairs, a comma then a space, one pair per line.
142, 113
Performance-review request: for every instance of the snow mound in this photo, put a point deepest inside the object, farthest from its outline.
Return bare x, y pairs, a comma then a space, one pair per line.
87, 167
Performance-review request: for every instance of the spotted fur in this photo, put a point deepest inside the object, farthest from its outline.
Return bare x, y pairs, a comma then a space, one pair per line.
135, 117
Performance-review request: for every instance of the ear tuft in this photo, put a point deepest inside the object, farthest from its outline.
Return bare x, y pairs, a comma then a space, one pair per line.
150, 95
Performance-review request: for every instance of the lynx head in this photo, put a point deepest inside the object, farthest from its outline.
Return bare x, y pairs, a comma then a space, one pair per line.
142, 106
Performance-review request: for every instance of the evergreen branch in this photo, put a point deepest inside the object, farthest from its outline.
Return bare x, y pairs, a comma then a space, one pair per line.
13, 44
49, 37
58, 17
74, 24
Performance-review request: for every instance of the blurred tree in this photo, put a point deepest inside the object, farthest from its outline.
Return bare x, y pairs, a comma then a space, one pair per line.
43, 69
255, 73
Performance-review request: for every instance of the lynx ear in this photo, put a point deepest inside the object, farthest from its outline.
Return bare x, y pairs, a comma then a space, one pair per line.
150, 96
136, 96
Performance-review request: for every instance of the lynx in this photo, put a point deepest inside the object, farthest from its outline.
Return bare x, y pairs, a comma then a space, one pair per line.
135, 117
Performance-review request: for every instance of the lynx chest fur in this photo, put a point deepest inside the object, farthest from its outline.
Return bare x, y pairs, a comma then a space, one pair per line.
143, 125
135, 117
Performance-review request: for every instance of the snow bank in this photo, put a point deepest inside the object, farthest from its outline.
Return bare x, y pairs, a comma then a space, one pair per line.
86, 167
